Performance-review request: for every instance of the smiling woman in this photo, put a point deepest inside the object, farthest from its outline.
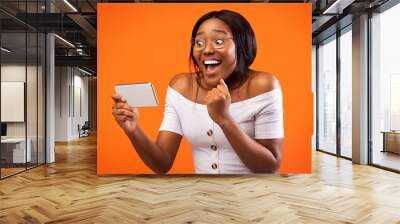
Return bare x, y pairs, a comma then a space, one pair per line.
231, 37
231, 115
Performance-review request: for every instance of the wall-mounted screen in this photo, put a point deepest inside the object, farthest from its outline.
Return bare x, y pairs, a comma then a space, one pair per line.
12, 101
154, 44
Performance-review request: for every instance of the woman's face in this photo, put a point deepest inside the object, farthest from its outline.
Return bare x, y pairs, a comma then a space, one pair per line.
214, 51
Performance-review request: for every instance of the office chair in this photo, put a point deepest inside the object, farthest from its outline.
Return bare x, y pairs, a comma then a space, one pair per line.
84, 130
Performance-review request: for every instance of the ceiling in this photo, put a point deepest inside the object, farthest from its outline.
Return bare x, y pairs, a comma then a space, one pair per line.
76, 22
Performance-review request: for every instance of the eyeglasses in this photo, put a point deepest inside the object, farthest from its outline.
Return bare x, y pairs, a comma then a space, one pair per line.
199, 44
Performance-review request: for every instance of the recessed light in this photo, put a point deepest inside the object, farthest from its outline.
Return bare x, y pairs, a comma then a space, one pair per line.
64, 40
337, 7
84, 71
5, 50
71, 6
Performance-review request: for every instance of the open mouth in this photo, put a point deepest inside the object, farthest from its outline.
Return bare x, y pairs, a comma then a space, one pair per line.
211, 65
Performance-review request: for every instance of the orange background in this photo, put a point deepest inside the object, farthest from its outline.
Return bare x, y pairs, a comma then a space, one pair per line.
150, 42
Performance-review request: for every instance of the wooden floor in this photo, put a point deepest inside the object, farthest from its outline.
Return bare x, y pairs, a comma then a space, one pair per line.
387, 159
69, 191
5, 172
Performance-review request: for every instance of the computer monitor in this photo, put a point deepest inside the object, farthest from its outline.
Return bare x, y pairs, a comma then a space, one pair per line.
3, 129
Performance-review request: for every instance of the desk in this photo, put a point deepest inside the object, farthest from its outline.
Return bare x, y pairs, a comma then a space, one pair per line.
391, 141
15, 148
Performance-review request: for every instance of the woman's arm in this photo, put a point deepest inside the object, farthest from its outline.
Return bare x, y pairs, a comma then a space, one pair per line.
159, 155
260, 156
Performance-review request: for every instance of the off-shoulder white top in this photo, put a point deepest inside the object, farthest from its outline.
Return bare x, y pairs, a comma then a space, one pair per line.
260, 117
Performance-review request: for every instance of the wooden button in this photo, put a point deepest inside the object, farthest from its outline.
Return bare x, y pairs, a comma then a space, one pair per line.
214, 166
213, 147
209, 132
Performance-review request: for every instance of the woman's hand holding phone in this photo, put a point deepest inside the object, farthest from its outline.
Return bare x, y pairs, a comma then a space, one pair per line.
125, 115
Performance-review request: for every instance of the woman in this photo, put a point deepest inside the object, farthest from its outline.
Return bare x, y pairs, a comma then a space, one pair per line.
231, 114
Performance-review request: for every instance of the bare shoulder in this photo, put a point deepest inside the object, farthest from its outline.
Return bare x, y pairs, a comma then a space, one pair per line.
183, 83
261, 82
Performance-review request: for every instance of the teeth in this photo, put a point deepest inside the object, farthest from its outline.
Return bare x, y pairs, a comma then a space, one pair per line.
211, 62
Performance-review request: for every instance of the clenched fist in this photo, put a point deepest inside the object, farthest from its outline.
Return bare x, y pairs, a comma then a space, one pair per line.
218, 101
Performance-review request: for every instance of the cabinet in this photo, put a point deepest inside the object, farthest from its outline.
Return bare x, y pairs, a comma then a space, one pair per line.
13, 150
391, 141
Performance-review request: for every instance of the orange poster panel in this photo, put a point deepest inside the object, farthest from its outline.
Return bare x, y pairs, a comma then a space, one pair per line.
150, 42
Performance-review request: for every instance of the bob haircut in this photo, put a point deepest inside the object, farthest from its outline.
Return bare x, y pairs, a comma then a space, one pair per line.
245, 42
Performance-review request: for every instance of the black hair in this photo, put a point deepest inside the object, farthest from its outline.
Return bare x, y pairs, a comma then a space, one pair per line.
245, 42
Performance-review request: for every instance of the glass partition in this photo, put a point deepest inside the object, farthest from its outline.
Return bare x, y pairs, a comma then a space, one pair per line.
13, 103
346, 93
41, 86
327, 95
22, 88
32, 95
385, 89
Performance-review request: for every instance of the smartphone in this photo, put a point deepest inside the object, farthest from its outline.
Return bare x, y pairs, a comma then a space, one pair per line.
138, 94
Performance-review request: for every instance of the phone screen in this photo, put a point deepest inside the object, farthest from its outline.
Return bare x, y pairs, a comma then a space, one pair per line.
138, 94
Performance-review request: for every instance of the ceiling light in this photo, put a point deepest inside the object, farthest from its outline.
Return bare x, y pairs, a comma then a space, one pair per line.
84, 71
71, 6
65, 41
5, 50
337, 7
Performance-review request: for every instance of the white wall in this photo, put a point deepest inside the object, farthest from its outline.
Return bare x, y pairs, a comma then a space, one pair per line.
61, 103
71, 102
80, 103
16, 73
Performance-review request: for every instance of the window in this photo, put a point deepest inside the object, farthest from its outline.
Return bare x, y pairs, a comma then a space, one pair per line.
385, 88
327, 95
346, 93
